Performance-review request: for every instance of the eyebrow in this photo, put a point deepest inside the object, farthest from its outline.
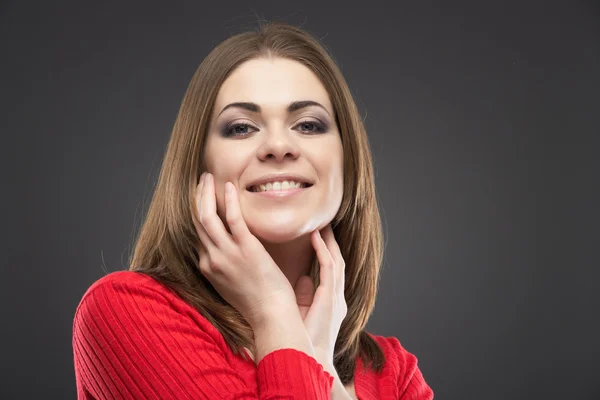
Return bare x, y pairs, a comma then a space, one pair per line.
255, 108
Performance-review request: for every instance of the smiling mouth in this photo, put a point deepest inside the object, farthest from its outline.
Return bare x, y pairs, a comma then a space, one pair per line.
278, 186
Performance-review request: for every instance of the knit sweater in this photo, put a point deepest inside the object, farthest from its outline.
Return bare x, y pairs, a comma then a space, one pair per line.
134, 338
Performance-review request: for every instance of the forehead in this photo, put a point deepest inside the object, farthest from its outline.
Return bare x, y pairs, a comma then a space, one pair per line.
272, 84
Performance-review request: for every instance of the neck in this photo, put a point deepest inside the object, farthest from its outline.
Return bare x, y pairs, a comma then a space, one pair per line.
293, 258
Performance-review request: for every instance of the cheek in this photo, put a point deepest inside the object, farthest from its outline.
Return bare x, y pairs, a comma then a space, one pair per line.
338, 185
335, 165
225, 169
331, 172
338, 180
221, 163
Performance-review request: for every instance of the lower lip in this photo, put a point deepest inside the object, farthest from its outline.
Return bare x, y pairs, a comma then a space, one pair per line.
277, 194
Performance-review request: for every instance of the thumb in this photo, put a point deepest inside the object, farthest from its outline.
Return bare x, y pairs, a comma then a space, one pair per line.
304, 290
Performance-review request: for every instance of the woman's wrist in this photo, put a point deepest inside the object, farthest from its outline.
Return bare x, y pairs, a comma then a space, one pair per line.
330, 369
338, 391
279, 332
273, 313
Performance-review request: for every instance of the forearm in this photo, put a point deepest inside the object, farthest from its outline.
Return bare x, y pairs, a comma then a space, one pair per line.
283, 330
287, 330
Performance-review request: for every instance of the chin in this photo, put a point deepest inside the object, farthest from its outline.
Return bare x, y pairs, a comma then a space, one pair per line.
270, 235
278, 233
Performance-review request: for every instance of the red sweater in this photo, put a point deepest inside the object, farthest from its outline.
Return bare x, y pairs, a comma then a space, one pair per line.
133, 338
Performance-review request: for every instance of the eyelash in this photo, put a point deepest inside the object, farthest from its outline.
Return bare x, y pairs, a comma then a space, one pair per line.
227, 132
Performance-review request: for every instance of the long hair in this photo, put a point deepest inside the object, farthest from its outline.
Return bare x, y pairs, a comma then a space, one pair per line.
165, 246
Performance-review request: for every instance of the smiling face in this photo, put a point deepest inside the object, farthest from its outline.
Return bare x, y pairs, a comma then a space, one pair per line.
282, 133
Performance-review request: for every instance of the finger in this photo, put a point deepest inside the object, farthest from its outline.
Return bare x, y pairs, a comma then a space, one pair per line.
233, 213
205, 240
332, 244
304, 290
197, 194
203, 260
336, 254
326, 263
208, 215
201, 182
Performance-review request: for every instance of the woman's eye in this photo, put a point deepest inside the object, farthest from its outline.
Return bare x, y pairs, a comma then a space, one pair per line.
236, 130
317, 126
240, 129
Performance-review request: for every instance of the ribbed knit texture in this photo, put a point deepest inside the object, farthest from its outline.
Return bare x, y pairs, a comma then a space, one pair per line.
133, 338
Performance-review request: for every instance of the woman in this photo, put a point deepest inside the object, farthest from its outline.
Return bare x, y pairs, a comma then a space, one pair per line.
258, 283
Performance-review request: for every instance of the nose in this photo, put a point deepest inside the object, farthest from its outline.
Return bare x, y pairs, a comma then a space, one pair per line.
278, 145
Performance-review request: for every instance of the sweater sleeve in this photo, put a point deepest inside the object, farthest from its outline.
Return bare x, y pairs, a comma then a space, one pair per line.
129, 342
411, 384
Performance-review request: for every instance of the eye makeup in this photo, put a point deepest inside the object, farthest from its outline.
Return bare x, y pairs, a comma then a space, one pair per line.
233, 129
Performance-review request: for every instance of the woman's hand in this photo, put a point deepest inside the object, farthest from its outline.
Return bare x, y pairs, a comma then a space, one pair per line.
324, 312
237, 264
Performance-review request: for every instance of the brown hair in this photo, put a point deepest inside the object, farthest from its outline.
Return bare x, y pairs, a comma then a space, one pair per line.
165, 247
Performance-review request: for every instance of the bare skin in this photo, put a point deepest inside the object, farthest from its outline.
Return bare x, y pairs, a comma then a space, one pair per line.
241, 270
277, 141
244, 145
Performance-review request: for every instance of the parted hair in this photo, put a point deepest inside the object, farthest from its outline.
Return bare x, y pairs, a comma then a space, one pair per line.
165, 246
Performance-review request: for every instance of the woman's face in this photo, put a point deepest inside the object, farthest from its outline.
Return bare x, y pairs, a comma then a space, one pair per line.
302, 142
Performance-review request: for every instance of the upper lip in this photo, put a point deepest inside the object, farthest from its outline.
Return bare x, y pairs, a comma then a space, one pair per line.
279, 178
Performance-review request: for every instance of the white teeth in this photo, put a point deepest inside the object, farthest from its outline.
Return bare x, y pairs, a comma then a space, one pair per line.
283, 185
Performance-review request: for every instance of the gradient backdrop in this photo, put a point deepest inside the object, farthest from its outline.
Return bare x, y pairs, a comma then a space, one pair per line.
482, 117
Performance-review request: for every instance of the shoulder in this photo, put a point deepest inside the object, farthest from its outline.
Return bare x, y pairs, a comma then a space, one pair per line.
127, 296
122, 286
124, 279
394, 352
403, 365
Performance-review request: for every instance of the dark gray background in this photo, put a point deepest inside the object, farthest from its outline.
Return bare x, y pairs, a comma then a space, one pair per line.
482, 118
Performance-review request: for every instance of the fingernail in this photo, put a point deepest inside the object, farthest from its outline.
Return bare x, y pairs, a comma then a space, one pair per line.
228, 186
